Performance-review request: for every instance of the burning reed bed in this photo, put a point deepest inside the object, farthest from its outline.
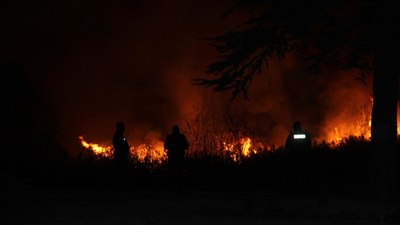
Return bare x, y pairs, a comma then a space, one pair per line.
339, 168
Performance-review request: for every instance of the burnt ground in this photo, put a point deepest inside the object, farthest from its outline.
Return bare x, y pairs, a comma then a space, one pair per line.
324, 187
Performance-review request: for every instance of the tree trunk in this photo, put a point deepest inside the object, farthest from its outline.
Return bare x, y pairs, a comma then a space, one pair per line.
384, 157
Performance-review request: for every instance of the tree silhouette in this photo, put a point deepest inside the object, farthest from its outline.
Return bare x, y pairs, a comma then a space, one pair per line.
324, 35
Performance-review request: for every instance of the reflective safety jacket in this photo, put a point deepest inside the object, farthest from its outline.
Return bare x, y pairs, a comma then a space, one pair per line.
298, 141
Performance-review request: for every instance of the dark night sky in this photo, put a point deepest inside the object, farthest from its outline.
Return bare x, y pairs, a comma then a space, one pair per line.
97, 62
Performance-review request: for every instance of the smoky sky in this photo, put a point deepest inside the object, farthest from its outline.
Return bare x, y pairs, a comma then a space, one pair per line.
98, 62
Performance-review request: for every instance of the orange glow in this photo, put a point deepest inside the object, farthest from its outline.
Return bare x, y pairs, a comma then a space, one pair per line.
149, 153
353, 119
152, 153
340, 125
105, 151
345, 125
155, 153
244, 147
342, 131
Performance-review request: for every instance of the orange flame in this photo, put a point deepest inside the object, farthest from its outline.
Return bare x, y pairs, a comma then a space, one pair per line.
356, 124
155, 153
149, 153
152, 153
97, 149
244, 147
337, 129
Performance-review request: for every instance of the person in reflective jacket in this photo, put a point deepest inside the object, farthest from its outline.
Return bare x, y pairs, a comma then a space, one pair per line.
298, 139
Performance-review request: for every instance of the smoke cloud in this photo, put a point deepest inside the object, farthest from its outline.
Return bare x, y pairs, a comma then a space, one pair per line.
99, 62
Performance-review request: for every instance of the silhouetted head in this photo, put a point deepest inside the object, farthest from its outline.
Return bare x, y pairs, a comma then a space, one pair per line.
120, 127
175, 129
296, 126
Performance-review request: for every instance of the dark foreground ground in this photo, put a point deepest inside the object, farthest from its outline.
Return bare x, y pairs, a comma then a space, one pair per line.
30, 204
318, 188
25, 202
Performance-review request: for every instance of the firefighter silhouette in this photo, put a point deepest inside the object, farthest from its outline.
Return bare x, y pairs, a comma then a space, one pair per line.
121, 147
298, 139
176, 145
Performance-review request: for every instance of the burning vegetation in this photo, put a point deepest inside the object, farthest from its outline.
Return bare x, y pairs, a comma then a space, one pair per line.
230, 136
155, 154
228, 146
149, 153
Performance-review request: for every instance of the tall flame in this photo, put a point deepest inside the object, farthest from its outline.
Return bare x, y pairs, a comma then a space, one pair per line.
246, 145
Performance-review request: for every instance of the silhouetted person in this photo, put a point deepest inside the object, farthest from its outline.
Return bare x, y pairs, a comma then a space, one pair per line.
121, 147
176, 144
298, 139
298, 146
